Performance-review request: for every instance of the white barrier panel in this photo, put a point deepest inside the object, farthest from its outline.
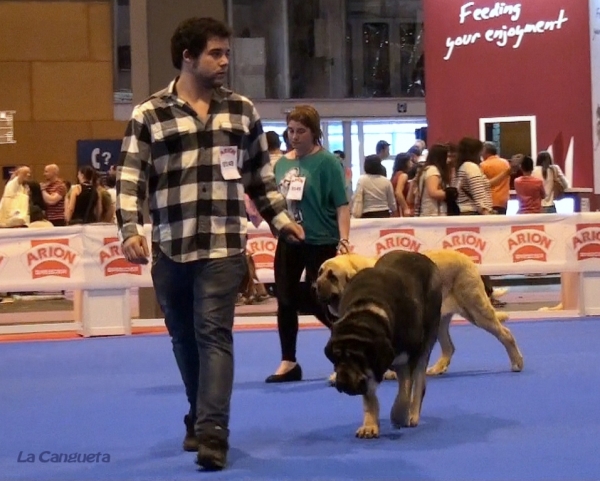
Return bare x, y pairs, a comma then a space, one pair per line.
67, 258
498, 244
89, 258
105, 266
41, 259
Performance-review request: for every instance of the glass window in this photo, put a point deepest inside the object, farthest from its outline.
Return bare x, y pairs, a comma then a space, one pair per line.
385, 57
326, 49
335, 136
412, 68
278, 127
399, 134
376, 60
122, 51
259, 48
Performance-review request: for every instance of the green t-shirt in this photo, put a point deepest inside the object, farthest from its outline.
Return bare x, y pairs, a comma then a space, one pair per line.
324, 191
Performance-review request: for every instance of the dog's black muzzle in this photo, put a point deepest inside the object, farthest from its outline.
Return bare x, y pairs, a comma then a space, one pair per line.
350, 384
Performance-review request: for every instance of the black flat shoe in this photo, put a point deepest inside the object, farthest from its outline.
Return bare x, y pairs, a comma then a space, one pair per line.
293, 375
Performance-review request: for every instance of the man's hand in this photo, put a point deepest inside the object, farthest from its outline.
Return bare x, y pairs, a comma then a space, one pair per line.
135, 250
292, 232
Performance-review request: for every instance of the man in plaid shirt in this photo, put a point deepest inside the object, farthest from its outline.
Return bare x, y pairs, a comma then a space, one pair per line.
197, 148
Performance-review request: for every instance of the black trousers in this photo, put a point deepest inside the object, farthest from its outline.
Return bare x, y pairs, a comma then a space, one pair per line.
378, 214
290, 261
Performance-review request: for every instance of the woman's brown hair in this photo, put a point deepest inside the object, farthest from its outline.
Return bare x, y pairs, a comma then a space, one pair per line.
308, 116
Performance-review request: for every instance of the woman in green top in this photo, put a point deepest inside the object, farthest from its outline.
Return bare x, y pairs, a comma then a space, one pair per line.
312, 180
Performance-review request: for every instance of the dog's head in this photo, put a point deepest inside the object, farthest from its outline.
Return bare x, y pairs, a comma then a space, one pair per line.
334, 274
360, 349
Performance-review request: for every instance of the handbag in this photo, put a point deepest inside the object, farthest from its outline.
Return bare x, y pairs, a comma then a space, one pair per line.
557, 187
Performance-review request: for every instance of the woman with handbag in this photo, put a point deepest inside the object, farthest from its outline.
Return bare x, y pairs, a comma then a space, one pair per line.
431, 192
84, 201
554, 180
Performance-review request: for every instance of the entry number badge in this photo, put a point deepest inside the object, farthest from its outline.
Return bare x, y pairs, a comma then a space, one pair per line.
228, 159
296, 188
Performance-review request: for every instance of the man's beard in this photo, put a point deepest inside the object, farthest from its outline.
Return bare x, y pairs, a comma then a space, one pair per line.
210, 82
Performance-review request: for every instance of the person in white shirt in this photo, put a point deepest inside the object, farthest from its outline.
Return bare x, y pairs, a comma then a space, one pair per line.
374, 197
547, 170
432, 184
14, 205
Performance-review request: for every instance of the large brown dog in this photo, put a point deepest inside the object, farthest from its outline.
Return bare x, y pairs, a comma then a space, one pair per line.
381, 327
335, 273
463, 294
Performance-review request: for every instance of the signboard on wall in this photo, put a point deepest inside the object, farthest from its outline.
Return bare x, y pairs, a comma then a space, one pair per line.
513, 32
595, 67
7, 133
99, 154
486, 59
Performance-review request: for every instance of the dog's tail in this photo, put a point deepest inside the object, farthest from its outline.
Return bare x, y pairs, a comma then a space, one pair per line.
463, 276
247, 284
480, 310
502, 316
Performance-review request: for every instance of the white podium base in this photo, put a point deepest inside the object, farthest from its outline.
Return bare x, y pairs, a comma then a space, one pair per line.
589, 292
103, 313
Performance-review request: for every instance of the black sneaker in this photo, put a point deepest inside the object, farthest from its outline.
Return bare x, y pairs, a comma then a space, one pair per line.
212, 453
190, 442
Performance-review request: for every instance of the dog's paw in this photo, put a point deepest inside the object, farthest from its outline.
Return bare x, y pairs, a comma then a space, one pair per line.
331, 379
410, 420
390, 375
438, 368
517, 366
413, 420
368, 431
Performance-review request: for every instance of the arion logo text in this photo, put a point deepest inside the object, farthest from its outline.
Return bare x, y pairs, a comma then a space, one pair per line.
50, 257
262, 247
112, 260
466, 240
529, 243
586, 241
397, 239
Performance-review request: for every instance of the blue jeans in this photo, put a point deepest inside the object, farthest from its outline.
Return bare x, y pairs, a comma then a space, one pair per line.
198, 302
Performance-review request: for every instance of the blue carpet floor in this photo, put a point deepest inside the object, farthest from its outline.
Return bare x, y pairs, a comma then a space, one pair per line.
122, 397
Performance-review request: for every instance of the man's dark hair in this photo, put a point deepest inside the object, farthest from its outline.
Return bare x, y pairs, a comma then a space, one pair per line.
193, 35
527, 164
340, 154
273, 140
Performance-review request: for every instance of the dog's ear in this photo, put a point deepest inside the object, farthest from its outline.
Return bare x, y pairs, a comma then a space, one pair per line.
381, 354
329, 351
331, 277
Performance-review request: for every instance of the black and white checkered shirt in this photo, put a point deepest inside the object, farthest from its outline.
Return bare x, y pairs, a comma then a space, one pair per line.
169, 152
